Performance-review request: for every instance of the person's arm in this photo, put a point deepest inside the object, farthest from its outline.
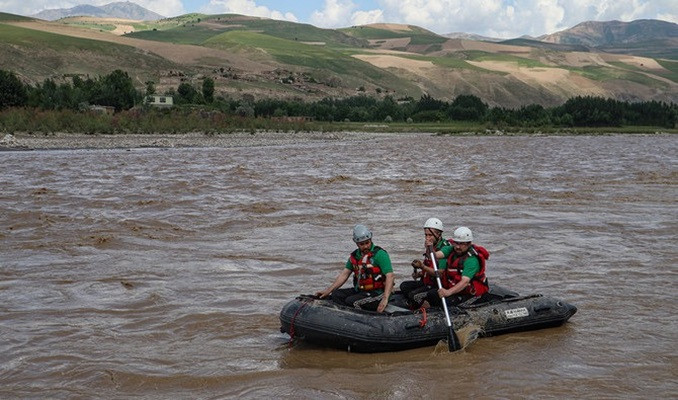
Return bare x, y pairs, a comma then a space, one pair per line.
417, 264
461, 285
439, 253
471, 268
389, 283
340, 280
383, 261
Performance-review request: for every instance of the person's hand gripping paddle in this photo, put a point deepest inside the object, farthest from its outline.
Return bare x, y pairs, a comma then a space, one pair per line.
452, 339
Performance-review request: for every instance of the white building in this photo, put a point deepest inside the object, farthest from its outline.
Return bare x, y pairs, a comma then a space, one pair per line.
160, 101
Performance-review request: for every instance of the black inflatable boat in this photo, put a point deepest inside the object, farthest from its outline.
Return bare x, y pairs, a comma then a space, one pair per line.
325, 323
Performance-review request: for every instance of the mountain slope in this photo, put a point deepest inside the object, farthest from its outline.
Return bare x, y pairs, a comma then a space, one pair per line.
124, 10
266, 58
644, 37
52, 55
613, 33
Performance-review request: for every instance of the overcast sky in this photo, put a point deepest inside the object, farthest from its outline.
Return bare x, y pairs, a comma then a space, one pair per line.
492, 18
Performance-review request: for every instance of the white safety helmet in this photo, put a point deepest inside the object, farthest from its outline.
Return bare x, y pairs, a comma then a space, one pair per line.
434, 223
462, 235
361, 233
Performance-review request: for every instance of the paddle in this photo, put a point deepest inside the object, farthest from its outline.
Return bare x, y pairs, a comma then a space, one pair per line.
452, 339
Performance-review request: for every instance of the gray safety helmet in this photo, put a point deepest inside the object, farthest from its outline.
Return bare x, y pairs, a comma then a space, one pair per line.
361, 233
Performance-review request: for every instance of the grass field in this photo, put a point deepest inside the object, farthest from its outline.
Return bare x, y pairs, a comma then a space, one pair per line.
416, 34
37, 39
200, 28
53, 55
91, 25
600, 73
4, 17
672, 67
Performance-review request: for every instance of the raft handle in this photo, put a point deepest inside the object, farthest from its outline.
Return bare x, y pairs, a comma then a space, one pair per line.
542, 308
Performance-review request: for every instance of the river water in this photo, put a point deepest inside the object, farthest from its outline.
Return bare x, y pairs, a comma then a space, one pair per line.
160, 273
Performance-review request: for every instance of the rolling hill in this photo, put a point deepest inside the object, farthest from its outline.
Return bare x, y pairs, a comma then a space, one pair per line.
270, 58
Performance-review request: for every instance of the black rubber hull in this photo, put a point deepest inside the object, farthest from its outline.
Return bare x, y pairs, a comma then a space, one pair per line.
326, 324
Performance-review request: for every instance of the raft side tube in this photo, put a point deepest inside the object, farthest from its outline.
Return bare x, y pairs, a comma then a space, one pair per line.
328, 324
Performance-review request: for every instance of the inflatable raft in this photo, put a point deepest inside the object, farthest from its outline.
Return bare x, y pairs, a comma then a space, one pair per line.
325, 323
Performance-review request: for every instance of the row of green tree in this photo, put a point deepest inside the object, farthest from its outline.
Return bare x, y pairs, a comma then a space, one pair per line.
577, 111
117, 90
113, 90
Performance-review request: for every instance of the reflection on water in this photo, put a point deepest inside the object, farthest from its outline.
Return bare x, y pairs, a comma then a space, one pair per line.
160, 273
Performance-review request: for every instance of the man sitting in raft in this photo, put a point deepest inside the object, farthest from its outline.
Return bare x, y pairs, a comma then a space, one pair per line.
464, 277
373, 278
417, 291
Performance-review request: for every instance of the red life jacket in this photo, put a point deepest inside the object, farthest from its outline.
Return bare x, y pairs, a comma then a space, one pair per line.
430, 280
366, 276
455, 267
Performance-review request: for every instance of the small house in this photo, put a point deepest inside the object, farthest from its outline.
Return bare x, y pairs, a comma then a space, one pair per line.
160, 101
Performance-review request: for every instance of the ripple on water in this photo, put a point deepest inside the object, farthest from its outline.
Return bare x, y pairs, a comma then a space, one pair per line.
162, 273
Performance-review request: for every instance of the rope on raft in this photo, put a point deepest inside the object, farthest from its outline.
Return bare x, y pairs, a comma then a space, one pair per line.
304, 304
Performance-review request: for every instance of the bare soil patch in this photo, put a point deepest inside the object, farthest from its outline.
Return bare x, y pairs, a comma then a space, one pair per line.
641, 62
557, 79
579, 59
392, 27
122, 29
390, 61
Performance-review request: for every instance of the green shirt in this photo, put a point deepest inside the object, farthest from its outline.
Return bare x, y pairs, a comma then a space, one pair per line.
444, 246
471, 266
380, 259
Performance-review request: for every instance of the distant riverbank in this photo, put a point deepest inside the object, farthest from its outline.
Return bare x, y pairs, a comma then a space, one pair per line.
61, 140
236, 139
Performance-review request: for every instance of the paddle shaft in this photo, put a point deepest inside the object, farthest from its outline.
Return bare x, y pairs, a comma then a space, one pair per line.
434, 262
452, 341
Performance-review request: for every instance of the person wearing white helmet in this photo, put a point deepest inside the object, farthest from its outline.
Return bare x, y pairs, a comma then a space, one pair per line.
464, 277
373, 278
424, 283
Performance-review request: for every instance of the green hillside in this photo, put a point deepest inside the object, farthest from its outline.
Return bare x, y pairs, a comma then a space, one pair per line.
50, 41
672, 69
5, 17
199, 28
416, 34
667, 49
309, 57
268, 58
545, 45
32, 52
420, 40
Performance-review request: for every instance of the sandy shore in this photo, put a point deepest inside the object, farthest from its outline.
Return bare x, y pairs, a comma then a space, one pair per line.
54, 141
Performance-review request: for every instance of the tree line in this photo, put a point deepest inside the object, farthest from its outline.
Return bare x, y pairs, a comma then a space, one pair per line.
117, 90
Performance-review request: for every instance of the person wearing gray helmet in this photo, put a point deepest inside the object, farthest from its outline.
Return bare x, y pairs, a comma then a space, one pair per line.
373, 278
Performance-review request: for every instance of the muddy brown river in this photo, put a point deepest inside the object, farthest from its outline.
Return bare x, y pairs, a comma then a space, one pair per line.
160, 273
